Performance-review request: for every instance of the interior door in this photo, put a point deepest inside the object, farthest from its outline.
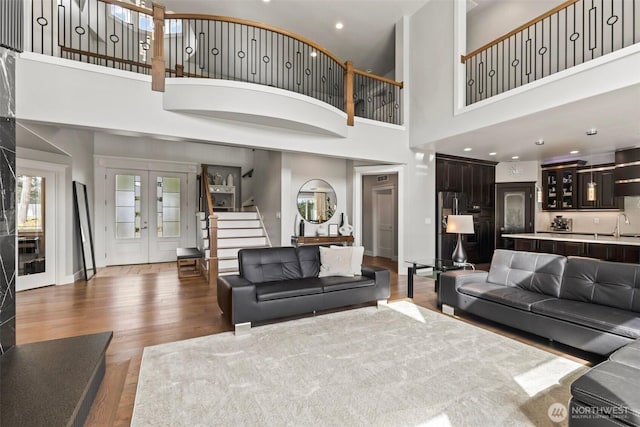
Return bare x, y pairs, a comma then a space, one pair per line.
35, 219
145, 216
384, 223
514, 211
127, 216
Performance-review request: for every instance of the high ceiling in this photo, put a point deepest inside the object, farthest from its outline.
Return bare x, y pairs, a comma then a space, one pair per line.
367, 38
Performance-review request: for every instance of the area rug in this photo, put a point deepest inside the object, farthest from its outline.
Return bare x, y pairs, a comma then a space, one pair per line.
399, 365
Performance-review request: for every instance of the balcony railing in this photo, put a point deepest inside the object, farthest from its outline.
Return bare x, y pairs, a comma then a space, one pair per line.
572, 33
134, 38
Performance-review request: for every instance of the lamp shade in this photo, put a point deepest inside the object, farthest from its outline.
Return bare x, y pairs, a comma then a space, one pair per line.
460, 224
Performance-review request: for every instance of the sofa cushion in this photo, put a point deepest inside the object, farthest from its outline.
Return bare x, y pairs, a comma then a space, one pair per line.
508, 295
287, 289
628, 355
330, 284
541, 273
357, 253
611, 385
614, 284
309, 257
261, 265
602, 318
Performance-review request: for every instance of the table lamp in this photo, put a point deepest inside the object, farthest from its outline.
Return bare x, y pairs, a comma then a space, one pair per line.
459, 224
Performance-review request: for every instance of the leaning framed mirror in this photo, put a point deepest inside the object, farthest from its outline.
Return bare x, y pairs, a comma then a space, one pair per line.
317, 201
83, 228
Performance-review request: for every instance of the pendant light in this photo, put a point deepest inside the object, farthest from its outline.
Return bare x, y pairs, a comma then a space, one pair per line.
591, 188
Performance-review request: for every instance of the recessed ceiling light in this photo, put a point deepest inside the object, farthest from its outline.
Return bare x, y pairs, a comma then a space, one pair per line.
314, 54
515, 157
592, 131
540, 141
339, 25
493, 153
468, 149
573, 152
266, 1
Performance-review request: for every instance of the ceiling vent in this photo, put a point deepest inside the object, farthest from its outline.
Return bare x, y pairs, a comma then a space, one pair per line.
627, 172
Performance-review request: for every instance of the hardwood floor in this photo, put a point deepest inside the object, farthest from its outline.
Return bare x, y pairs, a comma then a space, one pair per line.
147, 305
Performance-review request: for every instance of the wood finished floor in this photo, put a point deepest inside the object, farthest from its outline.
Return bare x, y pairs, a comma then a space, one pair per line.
146, 305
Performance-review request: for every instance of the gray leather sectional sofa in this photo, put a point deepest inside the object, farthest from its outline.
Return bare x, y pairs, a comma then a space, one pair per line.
283, 281
586, 303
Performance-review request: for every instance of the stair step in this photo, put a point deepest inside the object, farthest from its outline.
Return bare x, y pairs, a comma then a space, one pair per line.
233, 252
228, 272
238, 223
240, 232
226, 264
237, 215
240, 242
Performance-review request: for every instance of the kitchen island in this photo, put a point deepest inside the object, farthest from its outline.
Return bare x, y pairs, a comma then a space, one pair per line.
625, 248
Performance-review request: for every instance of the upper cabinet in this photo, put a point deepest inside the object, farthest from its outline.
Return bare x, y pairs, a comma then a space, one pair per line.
560, 185
565, 186
603, 178
473, 177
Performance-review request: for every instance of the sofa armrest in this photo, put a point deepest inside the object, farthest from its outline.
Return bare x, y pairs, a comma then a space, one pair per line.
233, 287
457, 278
379, 274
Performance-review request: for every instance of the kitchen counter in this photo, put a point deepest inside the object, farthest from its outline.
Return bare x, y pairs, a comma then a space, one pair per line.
627, 240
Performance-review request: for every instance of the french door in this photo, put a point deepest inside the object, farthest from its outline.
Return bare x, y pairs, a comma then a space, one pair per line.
145, 215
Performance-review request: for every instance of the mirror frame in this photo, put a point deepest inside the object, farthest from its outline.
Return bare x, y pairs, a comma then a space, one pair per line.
335, 195
83, 226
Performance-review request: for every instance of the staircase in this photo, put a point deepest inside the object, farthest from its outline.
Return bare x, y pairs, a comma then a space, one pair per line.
238, 230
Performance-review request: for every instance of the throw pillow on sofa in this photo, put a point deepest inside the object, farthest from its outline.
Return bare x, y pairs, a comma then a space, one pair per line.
336, 262
357, 253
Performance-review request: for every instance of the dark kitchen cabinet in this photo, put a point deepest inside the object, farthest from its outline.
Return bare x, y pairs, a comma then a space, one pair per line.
603, 177
560, 185
528, 245
570, 248
474, 178
547, 246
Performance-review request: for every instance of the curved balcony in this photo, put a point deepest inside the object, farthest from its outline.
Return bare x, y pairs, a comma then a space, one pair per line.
171, 45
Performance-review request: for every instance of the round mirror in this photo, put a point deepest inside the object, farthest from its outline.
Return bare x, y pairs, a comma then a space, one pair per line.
317, 201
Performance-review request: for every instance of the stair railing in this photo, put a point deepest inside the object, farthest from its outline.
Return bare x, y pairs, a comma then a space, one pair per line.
212, 269
134, 38
570, 34
266, 234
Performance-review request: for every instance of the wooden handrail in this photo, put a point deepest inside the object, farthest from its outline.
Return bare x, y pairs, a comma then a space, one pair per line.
205, 189
382, 79
257, 24
129, 6
545, 15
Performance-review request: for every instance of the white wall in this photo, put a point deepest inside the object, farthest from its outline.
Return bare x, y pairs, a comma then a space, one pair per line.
518, 172
497, 18
267, 184
52, 90
298, 169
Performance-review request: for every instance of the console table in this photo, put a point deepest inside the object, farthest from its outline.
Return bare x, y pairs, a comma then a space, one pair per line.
321, 240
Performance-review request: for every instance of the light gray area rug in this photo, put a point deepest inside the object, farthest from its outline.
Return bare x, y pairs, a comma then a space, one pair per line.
400, 365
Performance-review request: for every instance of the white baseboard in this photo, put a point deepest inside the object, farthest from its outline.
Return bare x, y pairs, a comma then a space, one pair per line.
368, 253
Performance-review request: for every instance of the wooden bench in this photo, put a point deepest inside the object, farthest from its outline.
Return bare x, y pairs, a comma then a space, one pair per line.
188, 262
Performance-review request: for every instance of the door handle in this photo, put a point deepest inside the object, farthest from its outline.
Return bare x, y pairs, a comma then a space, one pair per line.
144, 228
501, 228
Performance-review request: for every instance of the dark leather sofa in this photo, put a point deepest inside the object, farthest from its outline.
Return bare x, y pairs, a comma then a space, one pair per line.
608, 394
283, 281
586, 303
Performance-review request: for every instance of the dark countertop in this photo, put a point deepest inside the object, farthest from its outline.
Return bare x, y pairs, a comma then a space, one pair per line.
44, 383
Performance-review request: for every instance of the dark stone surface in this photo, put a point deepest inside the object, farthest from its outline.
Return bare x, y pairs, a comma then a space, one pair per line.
7, 233
47, 383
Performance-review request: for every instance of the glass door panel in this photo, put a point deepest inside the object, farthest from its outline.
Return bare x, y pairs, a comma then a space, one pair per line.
514, 212
35, 216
